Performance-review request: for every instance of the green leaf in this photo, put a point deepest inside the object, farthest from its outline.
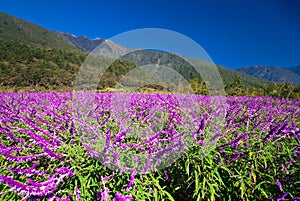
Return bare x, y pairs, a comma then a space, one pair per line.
169, 196
203, 188
196, 182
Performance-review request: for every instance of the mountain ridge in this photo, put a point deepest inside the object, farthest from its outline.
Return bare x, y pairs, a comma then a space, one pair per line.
295, 69
272, 73
13, 28
82, 43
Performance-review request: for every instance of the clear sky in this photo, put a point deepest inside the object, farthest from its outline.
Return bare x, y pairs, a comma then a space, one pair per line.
234, 33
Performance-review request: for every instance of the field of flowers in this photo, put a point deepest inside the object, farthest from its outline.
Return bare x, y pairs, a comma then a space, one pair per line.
50, 151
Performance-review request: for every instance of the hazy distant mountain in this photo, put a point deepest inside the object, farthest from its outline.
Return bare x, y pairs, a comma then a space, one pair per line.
295, 69
82, 42
12, 28
273, 73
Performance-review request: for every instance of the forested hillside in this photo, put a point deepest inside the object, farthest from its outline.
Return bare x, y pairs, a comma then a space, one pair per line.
23, 65
12, 28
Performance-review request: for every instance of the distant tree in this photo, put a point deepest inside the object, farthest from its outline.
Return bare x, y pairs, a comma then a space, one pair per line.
278, 87
235, 88
290, 88
199, 87
195, 85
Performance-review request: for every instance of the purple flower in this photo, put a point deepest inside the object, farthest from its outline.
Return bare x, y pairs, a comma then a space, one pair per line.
166, 175
281, 197
92, 153
54, 198
131, 182
103, 195
72, 128
236, 156
119, 197
77, 193
19, 159
28, 172
109, 177
116, 159
279, 184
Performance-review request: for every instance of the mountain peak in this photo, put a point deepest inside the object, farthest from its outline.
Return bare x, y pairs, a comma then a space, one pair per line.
83, 43
96, 38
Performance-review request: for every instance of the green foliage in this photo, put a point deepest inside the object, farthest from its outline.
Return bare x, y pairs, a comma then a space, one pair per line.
22, 65
199, 87
89, 173
251, 177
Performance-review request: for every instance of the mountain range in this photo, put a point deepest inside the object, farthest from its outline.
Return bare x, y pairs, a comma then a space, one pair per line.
274, 73
268, 73
33, 55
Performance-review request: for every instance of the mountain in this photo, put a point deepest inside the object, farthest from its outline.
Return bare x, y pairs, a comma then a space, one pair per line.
82, 42
32, 57
248, 81
12, 28
295, 69
273, 73
143, 57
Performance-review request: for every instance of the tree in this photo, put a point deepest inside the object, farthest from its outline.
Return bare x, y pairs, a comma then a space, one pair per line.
199, 87
289, 88
235, 88
278, 87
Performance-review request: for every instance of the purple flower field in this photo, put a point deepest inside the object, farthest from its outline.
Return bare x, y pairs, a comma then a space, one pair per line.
55, 147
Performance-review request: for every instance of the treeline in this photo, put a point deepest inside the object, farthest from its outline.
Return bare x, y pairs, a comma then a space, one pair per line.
238, 88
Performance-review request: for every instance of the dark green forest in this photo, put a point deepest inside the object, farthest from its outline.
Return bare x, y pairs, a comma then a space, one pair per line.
23, 65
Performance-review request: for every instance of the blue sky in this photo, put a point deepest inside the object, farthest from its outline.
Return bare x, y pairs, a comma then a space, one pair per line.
234, 33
